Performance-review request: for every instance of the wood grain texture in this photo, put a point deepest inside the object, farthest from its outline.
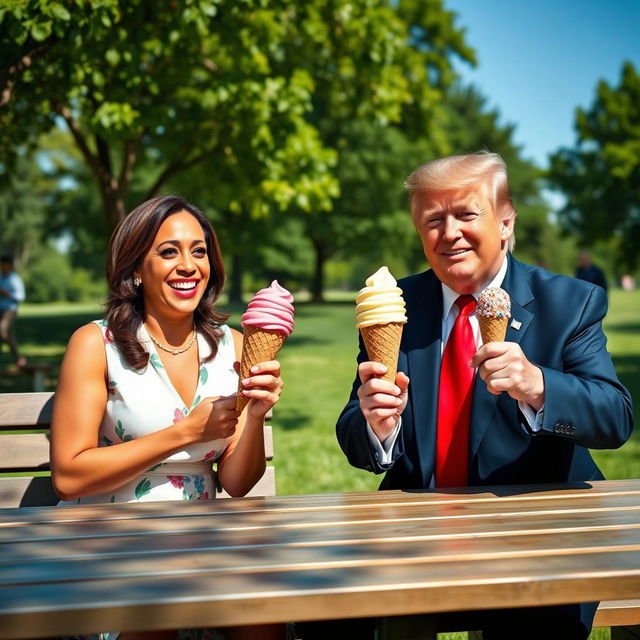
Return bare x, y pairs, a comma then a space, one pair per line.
255, 560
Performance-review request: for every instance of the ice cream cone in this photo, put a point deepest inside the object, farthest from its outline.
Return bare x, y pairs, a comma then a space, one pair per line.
258, 345
493, 329
493, 312
382, 342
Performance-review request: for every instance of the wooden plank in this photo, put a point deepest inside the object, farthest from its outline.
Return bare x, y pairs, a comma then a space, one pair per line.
202, 599
217, 553
256, 560
268, 445
615, 613
511, 517
356, 514
24, 451
27, 492
345, 502
25, 409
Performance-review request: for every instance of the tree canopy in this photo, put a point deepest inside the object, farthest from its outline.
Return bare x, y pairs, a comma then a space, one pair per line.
600, 175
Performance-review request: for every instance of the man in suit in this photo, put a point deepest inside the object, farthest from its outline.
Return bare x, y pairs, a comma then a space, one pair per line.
535, 403
590, 272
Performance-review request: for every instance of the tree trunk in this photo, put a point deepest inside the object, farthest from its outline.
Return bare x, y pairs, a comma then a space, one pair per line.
113, 206
235, 280
317, 283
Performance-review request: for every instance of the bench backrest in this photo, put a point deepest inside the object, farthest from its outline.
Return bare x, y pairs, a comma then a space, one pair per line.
25, 479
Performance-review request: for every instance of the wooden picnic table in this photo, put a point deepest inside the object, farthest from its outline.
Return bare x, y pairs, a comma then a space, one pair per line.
156, 565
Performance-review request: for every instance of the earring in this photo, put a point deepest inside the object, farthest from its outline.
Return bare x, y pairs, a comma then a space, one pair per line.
137, 282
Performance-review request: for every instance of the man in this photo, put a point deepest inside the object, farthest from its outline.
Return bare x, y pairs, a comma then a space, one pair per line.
11, 294
537, 401
590, 272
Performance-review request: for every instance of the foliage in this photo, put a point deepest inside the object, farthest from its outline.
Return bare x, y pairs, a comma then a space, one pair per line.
600, 175
471, 126
166, 85
372, 117
49, 277
23, 210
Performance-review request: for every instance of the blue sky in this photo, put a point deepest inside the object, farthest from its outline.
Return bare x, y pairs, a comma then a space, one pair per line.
540, 59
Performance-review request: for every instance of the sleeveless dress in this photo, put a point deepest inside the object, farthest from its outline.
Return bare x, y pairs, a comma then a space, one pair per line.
141, 401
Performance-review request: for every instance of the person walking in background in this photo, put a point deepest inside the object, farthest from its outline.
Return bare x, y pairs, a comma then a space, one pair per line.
11, 295
590, 272
534, 404
146, 400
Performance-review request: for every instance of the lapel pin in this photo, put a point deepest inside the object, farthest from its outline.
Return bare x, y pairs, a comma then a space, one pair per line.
516, 324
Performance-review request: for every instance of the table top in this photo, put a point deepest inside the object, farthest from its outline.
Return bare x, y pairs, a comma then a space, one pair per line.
91, 568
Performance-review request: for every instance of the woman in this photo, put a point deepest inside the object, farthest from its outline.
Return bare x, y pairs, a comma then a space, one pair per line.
146, 397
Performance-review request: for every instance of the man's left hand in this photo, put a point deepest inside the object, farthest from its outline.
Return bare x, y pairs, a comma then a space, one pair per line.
504, 367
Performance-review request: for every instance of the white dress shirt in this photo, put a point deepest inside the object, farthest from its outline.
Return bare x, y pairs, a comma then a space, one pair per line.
449, 314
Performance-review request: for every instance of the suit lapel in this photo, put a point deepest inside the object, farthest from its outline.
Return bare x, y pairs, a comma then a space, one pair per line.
423, 338
484, 403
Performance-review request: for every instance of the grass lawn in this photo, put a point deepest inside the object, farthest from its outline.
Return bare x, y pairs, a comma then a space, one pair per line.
318, 363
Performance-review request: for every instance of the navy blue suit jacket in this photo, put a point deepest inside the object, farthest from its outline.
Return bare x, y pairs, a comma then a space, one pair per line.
560, 331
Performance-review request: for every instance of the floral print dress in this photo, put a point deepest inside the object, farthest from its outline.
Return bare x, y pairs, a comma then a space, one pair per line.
141, 401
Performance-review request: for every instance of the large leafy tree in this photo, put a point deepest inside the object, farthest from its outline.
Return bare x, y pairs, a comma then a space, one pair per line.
167, 86
381, 70
600, 175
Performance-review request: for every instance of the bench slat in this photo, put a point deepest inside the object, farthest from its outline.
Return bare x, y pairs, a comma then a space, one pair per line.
615, 613
27, 492
266, 486
24, 451
25, 410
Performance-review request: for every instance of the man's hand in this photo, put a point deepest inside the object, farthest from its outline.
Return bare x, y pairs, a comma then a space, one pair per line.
381, 401
504, 367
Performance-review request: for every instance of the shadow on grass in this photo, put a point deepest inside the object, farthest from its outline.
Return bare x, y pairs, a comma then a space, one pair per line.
624, 327
53, 329
628, 370
290, 420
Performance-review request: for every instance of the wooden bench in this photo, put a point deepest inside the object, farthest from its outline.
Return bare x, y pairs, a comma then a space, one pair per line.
26, 455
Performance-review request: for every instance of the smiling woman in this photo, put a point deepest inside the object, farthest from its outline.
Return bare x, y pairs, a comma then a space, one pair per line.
146, 397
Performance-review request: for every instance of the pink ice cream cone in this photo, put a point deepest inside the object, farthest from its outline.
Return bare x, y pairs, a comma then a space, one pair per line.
266, 323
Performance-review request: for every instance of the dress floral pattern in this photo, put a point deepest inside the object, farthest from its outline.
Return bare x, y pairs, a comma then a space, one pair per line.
142, 401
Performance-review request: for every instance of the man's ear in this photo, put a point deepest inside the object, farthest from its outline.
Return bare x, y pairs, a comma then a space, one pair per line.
506, 227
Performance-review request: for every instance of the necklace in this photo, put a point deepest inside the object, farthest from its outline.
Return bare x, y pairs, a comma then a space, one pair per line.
174, 352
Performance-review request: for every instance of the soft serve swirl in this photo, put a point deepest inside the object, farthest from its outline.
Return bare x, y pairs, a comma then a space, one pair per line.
270, 308
380, 301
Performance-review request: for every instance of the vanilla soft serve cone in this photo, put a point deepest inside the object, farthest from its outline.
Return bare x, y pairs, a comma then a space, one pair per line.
267, 323
380, 316
493, 312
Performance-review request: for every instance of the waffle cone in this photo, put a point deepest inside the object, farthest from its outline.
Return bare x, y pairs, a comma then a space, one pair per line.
258, 345
492, 329
383, 345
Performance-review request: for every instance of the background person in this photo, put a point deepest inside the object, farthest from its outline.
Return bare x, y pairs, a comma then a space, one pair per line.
11, 295
590, 272
537, 402
146, 397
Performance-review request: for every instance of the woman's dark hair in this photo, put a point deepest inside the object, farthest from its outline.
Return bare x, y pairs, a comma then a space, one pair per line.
129, 244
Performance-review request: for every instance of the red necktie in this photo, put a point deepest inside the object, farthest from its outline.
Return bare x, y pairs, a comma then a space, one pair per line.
454, 400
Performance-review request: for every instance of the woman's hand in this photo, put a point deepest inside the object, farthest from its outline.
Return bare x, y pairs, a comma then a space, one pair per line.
262, 388
213, 419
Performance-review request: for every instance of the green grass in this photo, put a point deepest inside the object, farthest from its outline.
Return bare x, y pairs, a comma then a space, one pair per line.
318, 363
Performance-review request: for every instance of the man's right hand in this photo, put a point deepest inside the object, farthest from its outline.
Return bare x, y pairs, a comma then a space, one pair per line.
381, 401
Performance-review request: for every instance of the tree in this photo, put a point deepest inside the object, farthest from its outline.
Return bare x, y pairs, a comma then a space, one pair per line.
600, 175
168, 85
470, 126
380, 72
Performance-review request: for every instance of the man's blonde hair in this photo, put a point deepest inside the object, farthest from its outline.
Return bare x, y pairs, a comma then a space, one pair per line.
471, 171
